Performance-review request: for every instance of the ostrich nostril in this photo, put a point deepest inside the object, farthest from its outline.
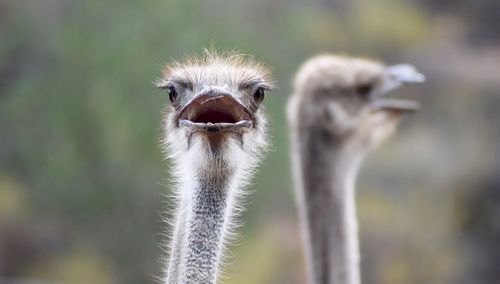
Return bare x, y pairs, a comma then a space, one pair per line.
212, 128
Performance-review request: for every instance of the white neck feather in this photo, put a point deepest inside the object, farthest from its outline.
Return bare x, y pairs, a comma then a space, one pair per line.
209, 190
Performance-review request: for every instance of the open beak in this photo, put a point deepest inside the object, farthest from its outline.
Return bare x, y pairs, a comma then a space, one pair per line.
396, 76
215, 113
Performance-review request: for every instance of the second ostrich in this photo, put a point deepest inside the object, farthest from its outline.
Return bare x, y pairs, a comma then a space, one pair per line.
215, 134
336, 115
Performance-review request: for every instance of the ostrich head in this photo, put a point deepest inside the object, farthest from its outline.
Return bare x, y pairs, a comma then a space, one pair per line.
215, 106
345, 97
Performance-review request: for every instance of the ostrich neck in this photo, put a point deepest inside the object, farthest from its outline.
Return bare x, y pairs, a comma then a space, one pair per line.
201, 226
326, 170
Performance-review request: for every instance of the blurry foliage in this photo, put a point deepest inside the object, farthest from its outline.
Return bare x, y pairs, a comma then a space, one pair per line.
482, 18
81, 173
366, 24
480, 222
79, 265
13, 199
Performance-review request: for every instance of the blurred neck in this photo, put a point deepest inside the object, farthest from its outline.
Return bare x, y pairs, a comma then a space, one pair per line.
326, 171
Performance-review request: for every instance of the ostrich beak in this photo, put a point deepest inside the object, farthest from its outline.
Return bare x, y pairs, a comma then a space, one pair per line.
403, 106
395, 77
215, 113
405, 73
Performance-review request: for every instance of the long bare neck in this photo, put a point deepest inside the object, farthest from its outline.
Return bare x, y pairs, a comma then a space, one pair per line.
204, 215
325, 173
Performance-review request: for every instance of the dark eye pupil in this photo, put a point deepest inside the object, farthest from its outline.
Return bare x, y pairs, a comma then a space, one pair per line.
172, 94
364, 90
259, 95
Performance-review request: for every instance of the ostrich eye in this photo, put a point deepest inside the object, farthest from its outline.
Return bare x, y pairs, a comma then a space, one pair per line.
172, 94
258, 96
364, 90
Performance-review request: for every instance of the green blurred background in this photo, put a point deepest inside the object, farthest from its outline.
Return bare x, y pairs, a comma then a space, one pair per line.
83, 184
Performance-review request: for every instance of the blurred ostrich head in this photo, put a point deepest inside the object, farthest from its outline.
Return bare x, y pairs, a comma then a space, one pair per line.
345, 96
337, 114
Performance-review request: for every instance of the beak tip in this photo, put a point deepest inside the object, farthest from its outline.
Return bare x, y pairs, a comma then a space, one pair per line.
396, 105
420, 78
405, 73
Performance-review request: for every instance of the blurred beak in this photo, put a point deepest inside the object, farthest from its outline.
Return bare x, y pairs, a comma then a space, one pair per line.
395, 77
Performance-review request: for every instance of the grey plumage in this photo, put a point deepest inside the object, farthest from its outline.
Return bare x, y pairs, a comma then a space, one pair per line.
336, 115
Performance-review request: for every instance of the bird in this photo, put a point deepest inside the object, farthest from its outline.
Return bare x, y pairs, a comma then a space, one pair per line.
215, 134
337, 114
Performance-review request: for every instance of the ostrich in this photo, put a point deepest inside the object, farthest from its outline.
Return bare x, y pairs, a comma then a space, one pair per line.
336, 115
215, 134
